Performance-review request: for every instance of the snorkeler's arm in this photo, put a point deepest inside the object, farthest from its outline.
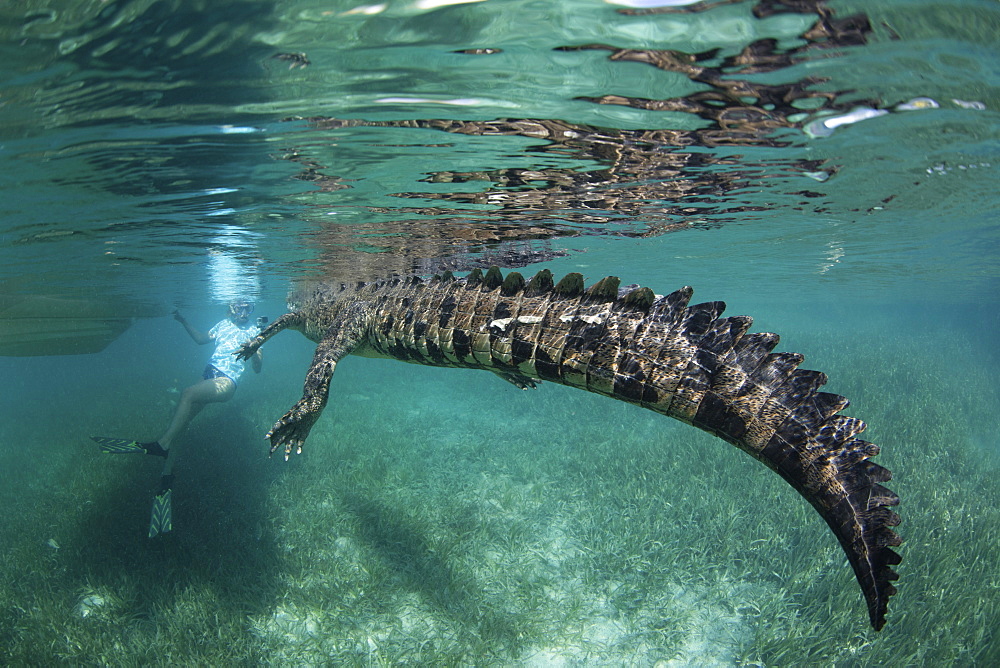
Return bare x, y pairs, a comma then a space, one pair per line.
257, 360
199, 337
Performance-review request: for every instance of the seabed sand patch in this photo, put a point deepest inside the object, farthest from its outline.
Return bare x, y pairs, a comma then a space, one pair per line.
526, 570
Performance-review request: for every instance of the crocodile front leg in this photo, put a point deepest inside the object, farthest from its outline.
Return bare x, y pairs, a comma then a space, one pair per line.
289, 320
294, 426
291, 431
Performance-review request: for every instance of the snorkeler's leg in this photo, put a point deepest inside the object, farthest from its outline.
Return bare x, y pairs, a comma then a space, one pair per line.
193, 399
168, 465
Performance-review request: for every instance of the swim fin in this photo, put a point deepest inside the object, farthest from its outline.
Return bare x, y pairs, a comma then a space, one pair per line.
160, 520
123, 446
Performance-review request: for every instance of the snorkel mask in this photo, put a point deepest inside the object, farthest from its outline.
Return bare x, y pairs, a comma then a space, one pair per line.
240, 310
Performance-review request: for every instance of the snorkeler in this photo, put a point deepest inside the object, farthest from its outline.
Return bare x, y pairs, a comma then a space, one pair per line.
218, 384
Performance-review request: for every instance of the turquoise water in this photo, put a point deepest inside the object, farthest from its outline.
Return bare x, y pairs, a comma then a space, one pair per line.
164, 155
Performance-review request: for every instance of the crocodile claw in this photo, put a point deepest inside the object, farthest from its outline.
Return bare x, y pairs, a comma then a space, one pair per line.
292, 430
246, 351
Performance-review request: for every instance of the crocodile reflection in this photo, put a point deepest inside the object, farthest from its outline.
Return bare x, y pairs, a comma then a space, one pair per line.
645, 183
743, 111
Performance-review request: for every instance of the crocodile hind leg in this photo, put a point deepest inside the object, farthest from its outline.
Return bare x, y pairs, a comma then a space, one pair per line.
519, 380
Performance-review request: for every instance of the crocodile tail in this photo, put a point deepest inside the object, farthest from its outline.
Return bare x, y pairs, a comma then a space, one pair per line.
763, 403
684, 361
692, 364
817, 451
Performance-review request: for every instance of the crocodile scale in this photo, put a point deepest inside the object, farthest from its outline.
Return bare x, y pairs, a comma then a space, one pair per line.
684, 361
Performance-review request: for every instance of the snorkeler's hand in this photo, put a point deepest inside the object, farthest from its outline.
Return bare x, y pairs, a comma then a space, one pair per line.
178, 317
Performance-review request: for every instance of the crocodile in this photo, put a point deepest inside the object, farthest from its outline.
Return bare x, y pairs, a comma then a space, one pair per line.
656, 351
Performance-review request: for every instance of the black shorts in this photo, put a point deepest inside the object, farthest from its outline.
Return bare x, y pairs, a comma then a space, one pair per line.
211, 373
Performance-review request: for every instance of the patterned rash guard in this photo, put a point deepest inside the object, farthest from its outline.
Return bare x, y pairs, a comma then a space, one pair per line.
228, 338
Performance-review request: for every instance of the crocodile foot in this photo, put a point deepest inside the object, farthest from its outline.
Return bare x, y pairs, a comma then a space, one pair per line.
519, 381
291, 431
